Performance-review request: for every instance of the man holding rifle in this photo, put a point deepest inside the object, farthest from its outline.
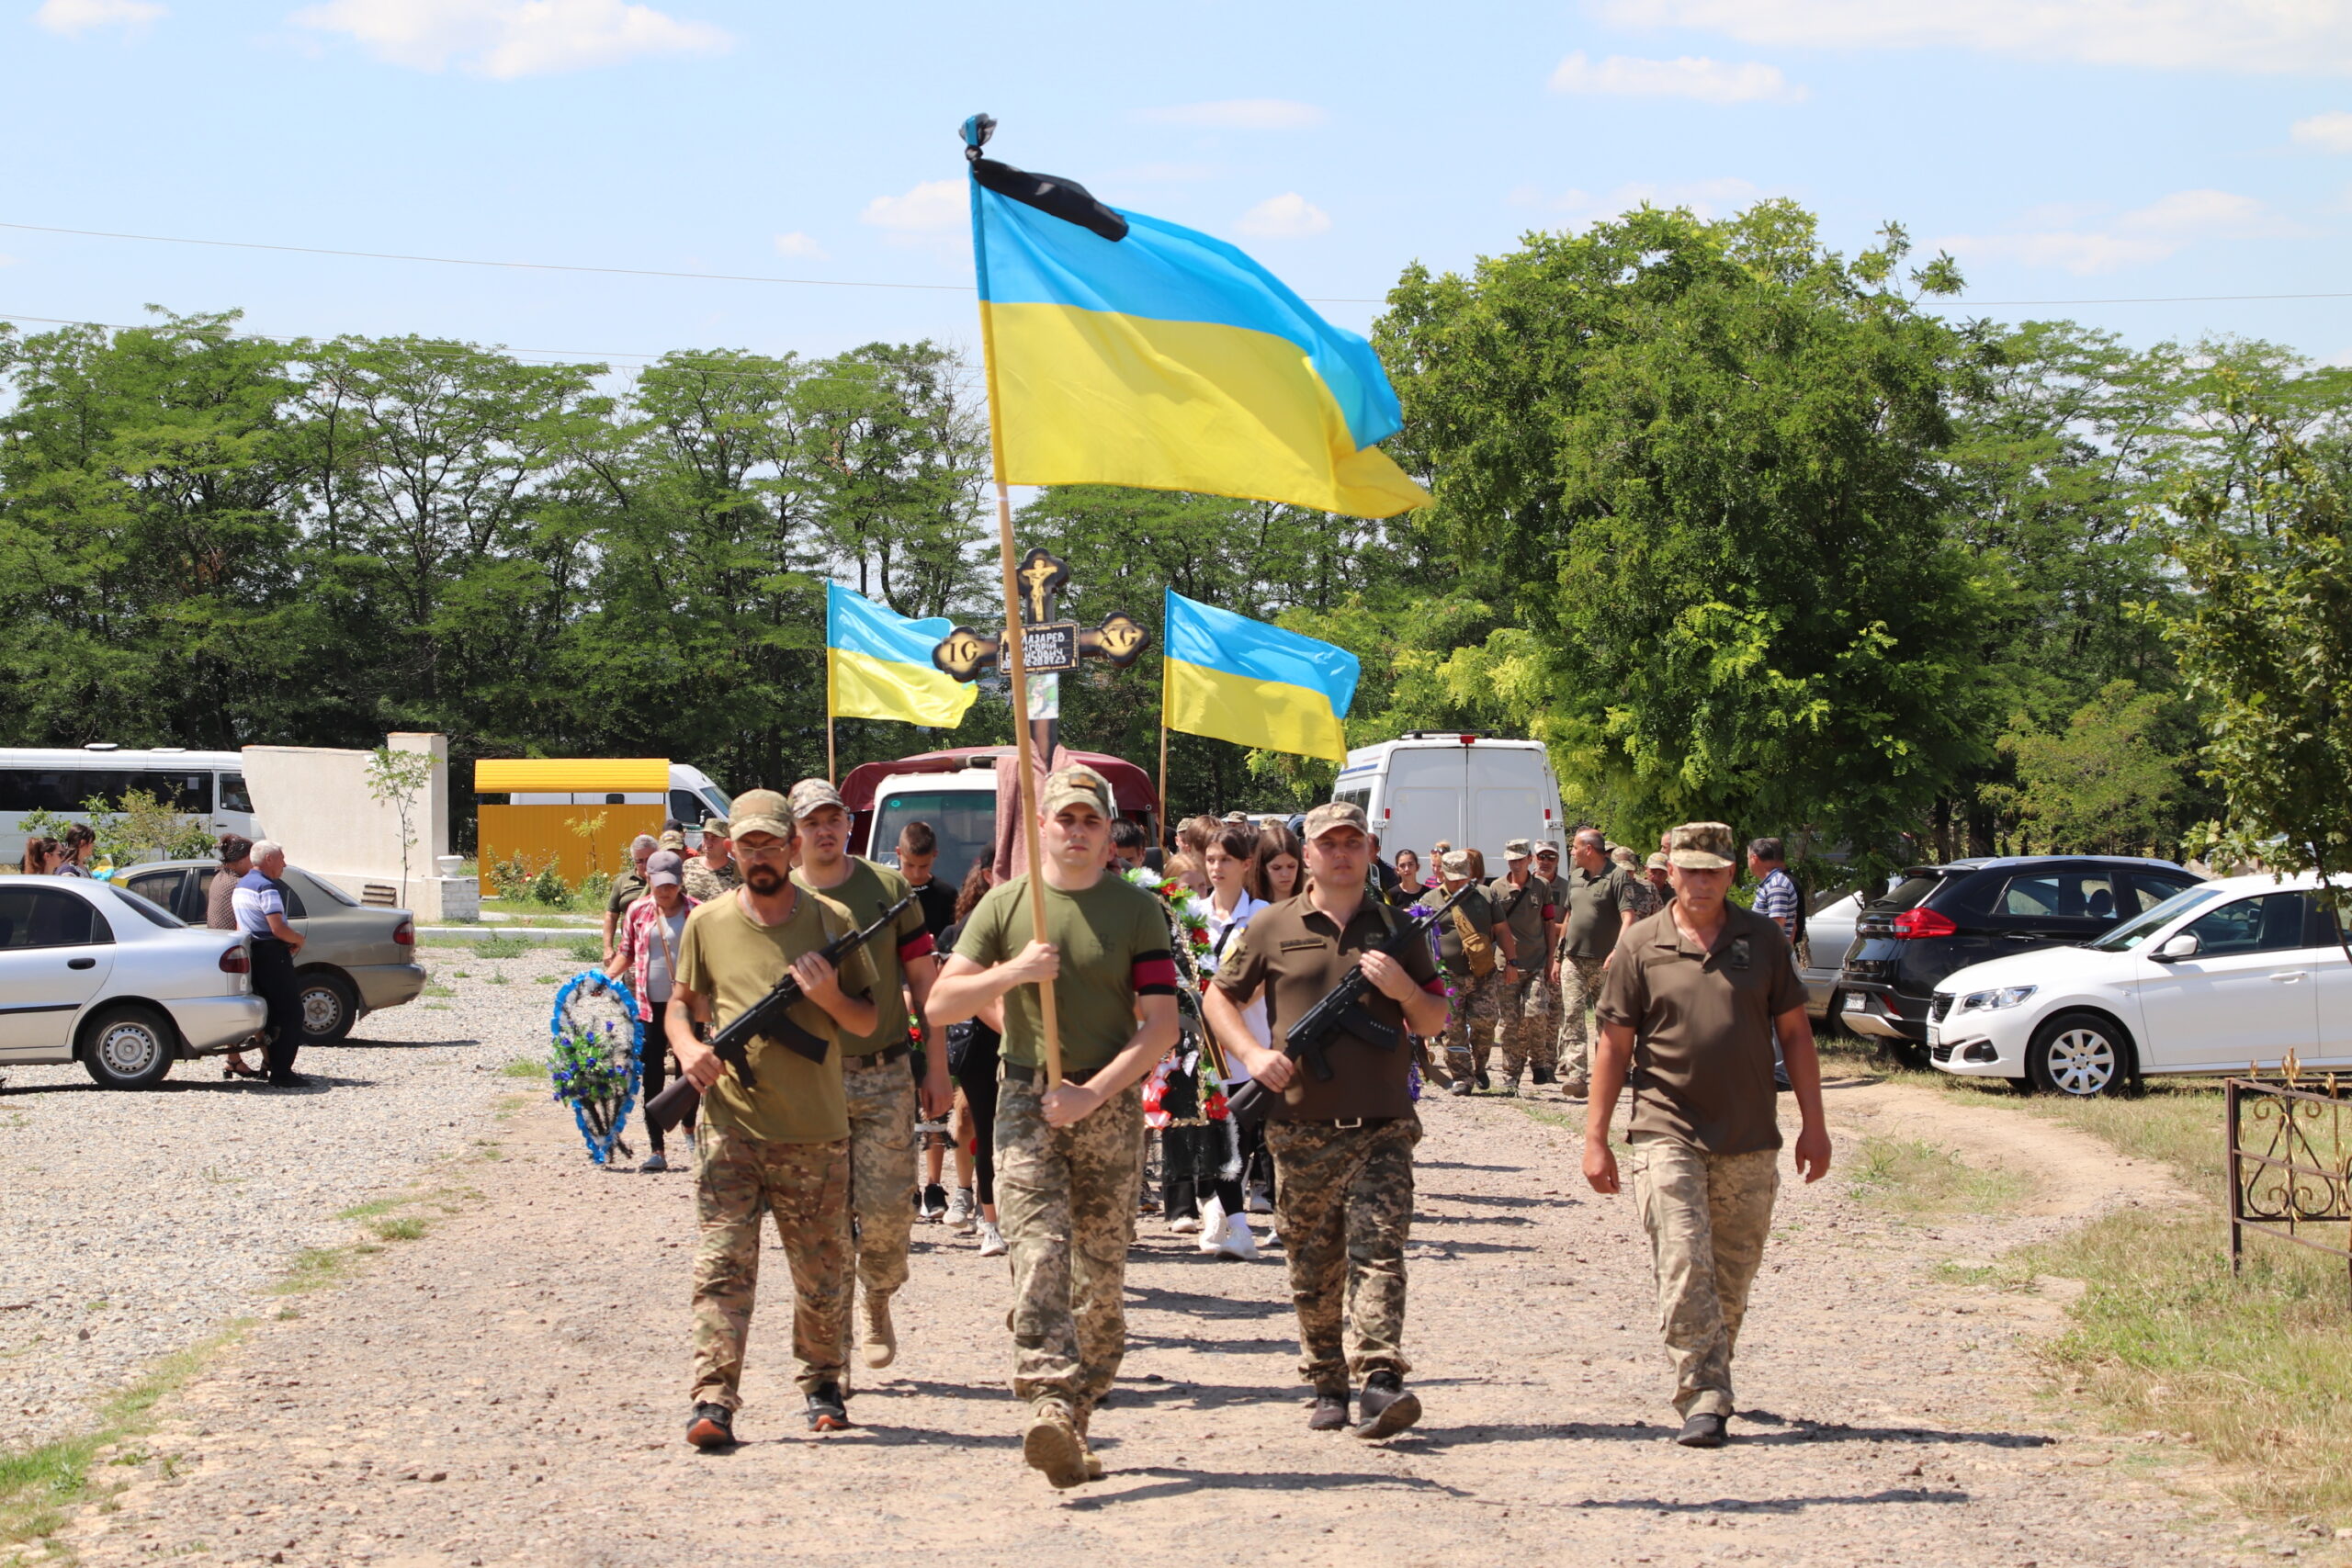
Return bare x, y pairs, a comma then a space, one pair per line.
1068, 1155
1342, 1145
782, 1143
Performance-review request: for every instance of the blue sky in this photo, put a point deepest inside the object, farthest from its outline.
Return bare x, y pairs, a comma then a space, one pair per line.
2063, 150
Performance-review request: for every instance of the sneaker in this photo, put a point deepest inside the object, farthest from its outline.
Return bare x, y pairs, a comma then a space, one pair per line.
1387, 1407
991, 1240
1331, 1411
827, 1412
713, 1427
1261, 1200
1704, 1430
934, 1203
1237, 1242
1051, 1444
881, 1344
1184, 1225
1459, 1086
961, 1211
654, 1162
1211, 1225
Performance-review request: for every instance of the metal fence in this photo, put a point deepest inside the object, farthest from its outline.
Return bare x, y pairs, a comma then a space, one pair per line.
2291, 1164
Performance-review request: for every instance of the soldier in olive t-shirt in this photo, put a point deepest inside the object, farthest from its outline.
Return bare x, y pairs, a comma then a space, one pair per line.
1114, 941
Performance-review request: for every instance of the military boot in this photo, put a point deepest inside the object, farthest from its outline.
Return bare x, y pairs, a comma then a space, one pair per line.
881, 1344
1387, 1408
1330, 1411
1051, 1444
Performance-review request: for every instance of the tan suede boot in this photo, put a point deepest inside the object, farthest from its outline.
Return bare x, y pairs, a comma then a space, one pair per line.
881, 1344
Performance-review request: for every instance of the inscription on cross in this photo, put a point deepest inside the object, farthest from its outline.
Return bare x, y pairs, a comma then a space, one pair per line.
1047, 643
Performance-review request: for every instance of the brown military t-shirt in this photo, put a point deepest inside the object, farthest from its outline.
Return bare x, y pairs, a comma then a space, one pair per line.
1702, 1029
1593, 910
1299, 954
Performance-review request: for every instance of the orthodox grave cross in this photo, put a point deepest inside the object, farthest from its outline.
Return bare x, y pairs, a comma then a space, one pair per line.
1048, 643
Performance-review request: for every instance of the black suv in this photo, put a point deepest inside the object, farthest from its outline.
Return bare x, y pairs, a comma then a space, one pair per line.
1938, 918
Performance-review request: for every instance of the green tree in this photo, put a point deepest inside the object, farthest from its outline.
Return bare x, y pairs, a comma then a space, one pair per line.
2113, 782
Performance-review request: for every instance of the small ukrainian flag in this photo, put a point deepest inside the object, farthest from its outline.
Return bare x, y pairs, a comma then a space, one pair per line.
1126, 350
878, 665
1233, 678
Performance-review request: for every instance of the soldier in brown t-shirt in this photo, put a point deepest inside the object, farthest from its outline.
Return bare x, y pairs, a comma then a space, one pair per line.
1692, 998
1343, 1146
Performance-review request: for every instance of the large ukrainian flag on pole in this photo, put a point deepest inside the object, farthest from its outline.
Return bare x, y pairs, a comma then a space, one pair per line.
878, 665
1124, 350
1235, 679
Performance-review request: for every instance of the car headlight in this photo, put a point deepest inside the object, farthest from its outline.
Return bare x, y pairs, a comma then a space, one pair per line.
1993, 1000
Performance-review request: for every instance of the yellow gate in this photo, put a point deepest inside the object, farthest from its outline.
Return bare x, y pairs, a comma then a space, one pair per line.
542, 836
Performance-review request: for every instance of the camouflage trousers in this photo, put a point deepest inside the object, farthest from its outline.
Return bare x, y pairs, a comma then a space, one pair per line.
1525, 1030
1707, 1215
806, 1186
1066, 1201
1343, 1198
881, 1170
1470, 1032
1579, 993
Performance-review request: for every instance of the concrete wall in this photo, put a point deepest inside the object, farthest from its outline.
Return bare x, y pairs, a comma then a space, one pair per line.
314, 800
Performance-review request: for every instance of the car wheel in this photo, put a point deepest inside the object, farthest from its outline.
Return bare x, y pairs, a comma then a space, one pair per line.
329, 1008
2080, 1054
129, 1046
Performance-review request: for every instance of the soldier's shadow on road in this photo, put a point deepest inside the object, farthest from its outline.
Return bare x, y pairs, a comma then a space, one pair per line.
1486, 1200
1783, 1432
1460, 1165
1422, 1219
1171, 1481
1777, 1505
1194, 1303
320, 1083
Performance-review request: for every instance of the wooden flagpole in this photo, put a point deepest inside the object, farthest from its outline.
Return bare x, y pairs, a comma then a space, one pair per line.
1013, 652
1164, 819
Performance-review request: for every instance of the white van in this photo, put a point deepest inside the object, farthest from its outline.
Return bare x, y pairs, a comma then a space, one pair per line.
207, 785
692, 798
1472, 792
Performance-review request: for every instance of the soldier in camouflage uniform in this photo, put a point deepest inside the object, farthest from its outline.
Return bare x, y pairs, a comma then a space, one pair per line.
1477, 999
1343, 1146
1068, 1154
1640, 897
1693, 1000
707, 878
1523, 904
779, 1144
1596, 911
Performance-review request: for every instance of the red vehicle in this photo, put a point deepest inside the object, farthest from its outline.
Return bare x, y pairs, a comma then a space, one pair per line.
956, 791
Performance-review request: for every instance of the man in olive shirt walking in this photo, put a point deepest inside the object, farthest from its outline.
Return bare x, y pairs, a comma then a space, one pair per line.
1342, 1147
626, 889
875, 1071
1068, 1156
1599, 911
779, 1146
1693, 997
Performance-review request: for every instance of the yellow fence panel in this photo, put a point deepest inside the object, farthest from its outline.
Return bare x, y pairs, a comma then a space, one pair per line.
542, 835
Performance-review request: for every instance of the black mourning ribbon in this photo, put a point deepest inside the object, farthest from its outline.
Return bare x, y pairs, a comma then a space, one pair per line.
1052, 195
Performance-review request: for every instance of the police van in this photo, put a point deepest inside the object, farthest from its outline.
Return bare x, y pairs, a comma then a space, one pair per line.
1472, 790
207, 786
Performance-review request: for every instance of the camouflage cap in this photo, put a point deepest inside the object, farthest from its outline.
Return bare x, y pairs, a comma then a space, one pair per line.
1516, 850
1073, 784
674, 839
714, 827
763, 811
1335, 814
1456, 864
1657, 862
1703, 846
810, 796
1547, 851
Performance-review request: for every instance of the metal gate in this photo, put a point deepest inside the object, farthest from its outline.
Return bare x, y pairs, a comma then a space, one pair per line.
2291, 1163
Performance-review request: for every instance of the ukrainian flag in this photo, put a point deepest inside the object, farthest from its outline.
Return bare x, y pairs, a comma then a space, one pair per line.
1126, 350
1235, 679
878, 665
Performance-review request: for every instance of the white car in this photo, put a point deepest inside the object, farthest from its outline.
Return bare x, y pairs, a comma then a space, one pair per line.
92, 974
2218, 977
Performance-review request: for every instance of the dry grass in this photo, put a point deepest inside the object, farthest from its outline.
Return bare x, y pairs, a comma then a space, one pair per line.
1918, 1177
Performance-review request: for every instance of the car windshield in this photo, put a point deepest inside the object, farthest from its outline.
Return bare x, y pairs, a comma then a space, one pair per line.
2131, 933
142, 905
962, 821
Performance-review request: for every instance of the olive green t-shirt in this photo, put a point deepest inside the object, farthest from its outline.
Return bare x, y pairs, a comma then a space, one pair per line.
733, 959
1115, 947
626, 889
867, 891
1522, 909
1595, 912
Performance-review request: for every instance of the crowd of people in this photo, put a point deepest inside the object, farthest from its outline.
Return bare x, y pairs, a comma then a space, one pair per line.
1176, 971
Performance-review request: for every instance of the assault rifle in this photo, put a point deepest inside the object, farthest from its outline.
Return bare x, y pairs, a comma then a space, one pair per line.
1341, 1012
770, 1017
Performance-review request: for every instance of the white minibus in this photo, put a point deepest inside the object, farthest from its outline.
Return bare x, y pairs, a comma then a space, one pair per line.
1469, 790
693, 797
207, 785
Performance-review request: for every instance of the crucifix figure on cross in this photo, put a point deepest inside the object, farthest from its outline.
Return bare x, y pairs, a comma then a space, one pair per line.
1049, 645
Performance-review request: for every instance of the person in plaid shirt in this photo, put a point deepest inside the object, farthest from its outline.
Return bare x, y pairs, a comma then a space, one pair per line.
646, 947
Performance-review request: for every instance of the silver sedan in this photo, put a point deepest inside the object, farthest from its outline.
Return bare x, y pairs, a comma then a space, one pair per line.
91, 974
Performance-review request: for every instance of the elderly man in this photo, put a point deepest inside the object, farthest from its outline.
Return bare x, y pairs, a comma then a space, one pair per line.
1599, 911
1694, 999
259, 901
627, 888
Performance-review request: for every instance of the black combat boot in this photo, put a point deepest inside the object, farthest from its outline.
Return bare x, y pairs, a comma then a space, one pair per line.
1331, 1410
1386, 1406
1703, 1430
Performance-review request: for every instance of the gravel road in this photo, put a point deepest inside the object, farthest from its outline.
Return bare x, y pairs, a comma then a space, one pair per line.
135, 1222
511, 1389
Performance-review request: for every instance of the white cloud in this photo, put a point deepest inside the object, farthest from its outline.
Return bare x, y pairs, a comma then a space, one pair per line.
1686, 76
2144, 236
2330, 132
1705, 199
2297, 37
799, 245
506, 39
932, 205
1289, 216
1239, 114
71, 16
